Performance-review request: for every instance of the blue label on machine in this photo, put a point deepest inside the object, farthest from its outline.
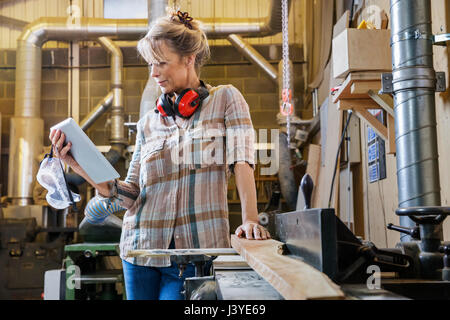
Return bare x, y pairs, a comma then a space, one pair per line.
373, 152
371, 135
374, 173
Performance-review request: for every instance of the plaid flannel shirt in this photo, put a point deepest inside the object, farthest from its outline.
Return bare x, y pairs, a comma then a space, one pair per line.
176, 186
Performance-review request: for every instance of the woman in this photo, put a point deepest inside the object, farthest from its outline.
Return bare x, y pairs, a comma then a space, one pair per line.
176, 187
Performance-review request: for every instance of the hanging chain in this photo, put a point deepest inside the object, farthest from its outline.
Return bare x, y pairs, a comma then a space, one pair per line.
285, 48
286, 106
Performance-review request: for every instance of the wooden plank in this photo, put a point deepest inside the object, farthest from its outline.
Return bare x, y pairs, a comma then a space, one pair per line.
313, 166
391, 149
330, 144
441, 21
230, 262
384, 20
181, 252
344, 91
292, 278
363, 87
377, 126
346, 210
313, 169
358, 199
349, 104
384, 101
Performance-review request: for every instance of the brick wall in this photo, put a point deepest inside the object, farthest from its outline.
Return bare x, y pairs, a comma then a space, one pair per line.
227, 66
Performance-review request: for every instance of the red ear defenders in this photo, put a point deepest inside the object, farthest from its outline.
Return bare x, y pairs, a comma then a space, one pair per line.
185, 105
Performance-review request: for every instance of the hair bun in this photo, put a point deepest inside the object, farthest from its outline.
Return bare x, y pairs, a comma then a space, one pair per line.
184, 18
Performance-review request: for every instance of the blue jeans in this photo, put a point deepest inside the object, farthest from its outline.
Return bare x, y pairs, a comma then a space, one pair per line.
154, 283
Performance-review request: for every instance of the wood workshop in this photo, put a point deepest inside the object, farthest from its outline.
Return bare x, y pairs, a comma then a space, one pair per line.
224, 150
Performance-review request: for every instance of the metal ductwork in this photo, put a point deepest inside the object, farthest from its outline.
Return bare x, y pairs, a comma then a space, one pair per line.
101, 107
117, 139
254, 56
23, 149
260, 27
414, 86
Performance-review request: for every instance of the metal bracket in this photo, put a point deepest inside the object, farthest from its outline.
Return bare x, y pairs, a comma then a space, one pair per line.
441, 85
412, 35
387, 86
441, 39
386, 82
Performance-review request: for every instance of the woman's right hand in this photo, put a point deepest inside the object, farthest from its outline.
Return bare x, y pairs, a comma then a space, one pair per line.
63, 152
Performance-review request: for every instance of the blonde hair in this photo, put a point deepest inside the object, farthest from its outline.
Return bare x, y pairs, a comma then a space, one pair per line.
181, 33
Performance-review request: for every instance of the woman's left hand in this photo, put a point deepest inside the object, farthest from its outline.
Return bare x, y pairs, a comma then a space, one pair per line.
252, 231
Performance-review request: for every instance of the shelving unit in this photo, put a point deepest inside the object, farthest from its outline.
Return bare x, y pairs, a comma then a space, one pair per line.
359, 93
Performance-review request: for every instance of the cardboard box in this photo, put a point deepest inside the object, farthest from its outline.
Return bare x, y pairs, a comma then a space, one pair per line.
361, 50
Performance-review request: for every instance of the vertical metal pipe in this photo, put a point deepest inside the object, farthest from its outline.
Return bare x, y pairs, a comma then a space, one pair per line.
117, 112
156, 9
414, 83
152, 91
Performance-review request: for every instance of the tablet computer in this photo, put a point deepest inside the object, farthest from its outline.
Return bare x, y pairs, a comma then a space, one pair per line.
86, 153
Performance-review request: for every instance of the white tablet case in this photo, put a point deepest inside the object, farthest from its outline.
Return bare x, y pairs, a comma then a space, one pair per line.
86, 153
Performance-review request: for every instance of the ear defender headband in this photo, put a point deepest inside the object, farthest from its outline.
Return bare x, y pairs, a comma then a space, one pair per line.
185, 105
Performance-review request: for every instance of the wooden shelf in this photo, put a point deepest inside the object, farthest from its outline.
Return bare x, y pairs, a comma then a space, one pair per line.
359, 93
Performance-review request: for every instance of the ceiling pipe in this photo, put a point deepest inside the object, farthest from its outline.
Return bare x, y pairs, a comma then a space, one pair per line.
259, 27
12, 23
23, 158
254, 56
101, 107
28, 74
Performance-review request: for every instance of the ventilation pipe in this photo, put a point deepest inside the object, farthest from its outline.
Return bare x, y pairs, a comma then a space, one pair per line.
27, 127
414, 86
254, 56
101, 107
117, 138
26, 140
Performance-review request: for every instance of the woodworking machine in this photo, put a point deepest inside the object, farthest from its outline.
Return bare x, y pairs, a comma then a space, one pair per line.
418, 269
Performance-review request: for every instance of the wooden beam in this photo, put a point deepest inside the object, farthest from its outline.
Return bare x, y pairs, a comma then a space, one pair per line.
344, 91
292, 278
363, 87
349, 104
391, 148
181, 252
379, 128
384, 101
313, 167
